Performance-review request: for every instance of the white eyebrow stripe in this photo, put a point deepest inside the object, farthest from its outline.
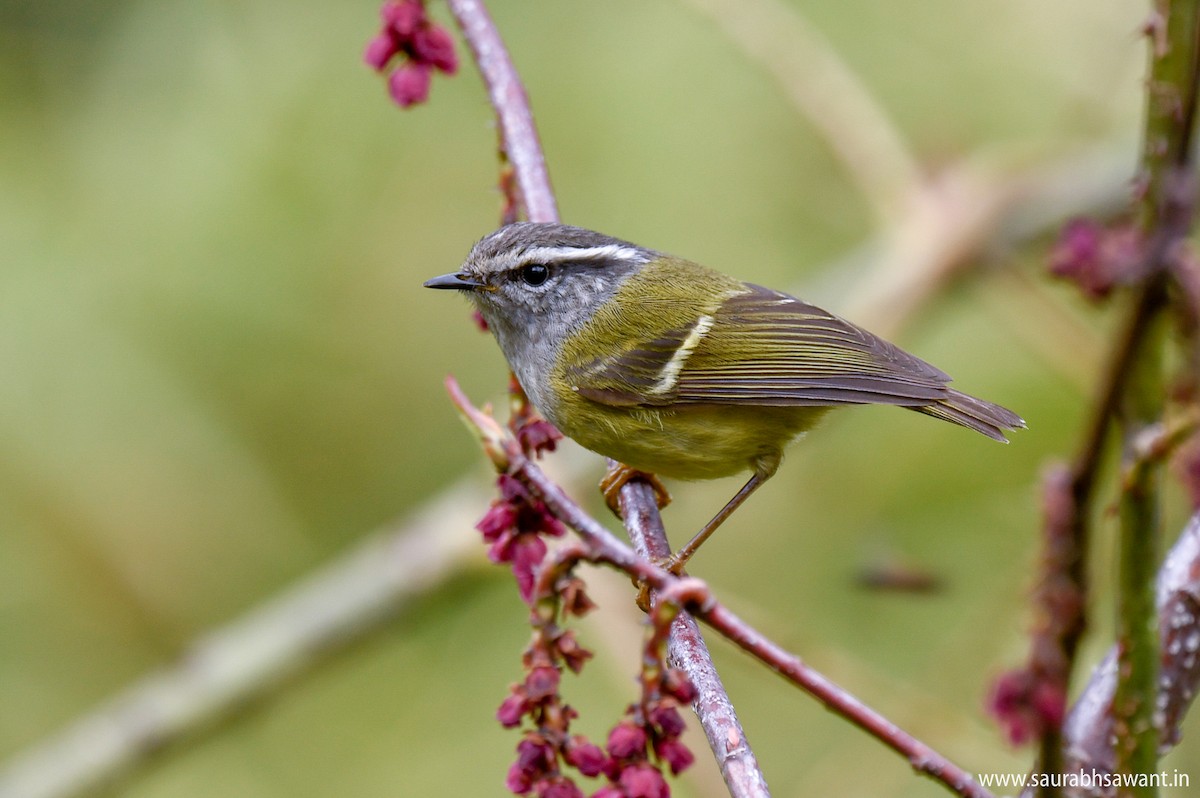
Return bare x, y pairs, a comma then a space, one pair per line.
611, 251
669, 375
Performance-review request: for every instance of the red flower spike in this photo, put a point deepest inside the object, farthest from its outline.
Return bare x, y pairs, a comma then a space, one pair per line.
409, 85
433, 45
380, 51
644, 781
609, 792
586, 757
677, 755
626, 740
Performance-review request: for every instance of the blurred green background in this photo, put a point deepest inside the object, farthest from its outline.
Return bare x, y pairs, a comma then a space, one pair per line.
220, 371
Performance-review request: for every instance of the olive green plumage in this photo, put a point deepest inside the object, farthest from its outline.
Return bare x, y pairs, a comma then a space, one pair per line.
671, 367
700, 353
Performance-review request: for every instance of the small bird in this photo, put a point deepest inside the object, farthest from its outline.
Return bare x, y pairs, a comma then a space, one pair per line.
675, 369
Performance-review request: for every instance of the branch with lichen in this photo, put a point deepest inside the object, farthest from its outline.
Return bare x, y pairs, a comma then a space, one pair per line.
1089, 726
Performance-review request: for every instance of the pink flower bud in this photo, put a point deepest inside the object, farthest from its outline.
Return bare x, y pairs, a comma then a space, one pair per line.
585, 756
677, 685
528, 551
403, 17
557, 787
574, 655
644, 781
1011, 704
501, 549
380, 50
538, 436
512, 489
433, 45
677, 755
668, 720
501, 517
534, 759
517, 781
512, 710
409, 84
542, 682
626, 740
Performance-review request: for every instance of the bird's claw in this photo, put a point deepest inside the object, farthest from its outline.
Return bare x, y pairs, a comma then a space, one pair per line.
616, 478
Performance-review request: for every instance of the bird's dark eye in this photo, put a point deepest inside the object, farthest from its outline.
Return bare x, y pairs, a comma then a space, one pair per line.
535, 273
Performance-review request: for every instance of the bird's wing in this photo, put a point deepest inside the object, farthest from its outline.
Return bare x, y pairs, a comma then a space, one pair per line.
761, 347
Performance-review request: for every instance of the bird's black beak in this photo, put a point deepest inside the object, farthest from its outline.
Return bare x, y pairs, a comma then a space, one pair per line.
457, 282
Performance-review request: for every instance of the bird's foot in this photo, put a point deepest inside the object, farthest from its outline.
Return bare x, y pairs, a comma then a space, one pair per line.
616, 478
672, 565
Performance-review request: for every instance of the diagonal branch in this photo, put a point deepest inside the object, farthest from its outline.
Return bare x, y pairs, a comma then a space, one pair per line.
240, 662
604, 547
687, 650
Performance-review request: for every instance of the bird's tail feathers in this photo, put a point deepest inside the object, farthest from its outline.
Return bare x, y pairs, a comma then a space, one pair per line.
983, 417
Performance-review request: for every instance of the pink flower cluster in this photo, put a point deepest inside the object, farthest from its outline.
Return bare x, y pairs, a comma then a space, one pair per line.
538, 436
408, 31
514, 527
1096, 258
1026, 706
647, 738
542, 755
